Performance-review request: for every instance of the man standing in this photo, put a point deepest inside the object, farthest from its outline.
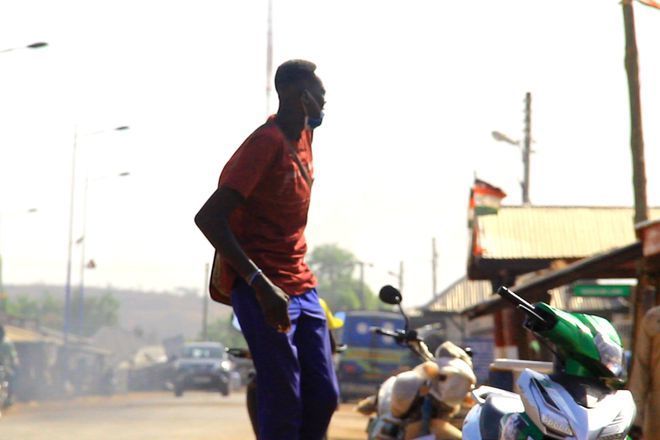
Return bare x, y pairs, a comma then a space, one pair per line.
256, 221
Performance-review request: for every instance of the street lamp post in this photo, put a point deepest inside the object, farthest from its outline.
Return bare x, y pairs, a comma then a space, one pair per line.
83, 241
524, 145
361, 265
67, 288
398, 275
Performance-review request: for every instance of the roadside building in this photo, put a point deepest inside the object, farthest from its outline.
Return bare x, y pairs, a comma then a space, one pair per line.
541, 248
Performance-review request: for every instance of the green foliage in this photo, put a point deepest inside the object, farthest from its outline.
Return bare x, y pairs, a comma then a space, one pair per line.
23, 307
99, 311
221, 330
334, 268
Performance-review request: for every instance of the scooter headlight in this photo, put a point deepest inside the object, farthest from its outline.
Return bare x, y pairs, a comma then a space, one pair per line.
611, 354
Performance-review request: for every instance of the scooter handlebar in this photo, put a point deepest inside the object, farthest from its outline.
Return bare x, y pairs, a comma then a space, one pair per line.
385, 332
538, 321
513, 298
400, 336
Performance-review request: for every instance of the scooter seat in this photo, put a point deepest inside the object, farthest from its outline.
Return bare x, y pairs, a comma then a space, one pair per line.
492, 411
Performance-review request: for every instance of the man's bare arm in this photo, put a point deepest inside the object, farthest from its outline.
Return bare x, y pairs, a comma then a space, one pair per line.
213, 220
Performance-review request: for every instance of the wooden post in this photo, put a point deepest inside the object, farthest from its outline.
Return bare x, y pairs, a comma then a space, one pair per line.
636, 132
637, 150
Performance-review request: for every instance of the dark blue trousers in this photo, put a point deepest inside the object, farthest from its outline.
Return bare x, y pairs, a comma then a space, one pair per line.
297, 388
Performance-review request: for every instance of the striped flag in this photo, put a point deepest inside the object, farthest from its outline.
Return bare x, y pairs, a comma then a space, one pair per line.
485, 199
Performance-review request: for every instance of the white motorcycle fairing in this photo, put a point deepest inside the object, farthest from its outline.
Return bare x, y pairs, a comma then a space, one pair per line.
483, 420
601, 414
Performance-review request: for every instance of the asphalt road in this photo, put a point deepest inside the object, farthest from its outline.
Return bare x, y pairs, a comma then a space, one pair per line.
147, 416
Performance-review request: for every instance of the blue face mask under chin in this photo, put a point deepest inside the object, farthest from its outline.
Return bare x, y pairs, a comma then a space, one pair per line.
313, 123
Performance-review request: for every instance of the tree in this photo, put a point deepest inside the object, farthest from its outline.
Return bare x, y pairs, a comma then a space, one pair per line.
99, 311
334, 268
24, 307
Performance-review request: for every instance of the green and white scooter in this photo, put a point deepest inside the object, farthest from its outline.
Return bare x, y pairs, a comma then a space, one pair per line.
582, 399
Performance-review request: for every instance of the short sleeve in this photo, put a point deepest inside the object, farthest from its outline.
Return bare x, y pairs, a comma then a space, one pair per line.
250, 163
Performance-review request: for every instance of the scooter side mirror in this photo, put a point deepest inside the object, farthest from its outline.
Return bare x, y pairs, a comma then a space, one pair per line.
390, 295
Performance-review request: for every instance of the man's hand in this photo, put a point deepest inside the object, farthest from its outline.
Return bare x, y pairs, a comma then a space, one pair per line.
274, 303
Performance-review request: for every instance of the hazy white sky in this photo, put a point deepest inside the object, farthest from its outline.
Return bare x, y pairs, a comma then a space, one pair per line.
414, 89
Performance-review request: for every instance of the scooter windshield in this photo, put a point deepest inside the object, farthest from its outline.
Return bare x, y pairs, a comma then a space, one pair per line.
611, 354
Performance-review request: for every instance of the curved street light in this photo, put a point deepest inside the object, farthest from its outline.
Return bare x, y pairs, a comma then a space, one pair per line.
501, 137
67, 288
83, 241
37, 45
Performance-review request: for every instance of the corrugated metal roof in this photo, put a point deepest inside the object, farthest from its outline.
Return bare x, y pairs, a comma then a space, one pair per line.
460, 295
19, 334
465, 293
555, 232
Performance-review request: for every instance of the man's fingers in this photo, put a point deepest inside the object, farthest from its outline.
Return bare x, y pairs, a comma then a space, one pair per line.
283, 325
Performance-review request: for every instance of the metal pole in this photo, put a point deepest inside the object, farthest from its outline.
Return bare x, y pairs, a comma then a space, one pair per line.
81, 290
362, 304
434, 266
2, 286
269, 57
205, 304
527, 147
67, 288
3, 298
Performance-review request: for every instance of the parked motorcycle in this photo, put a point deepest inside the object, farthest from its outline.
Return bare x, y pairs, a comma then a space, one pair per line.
582, 399
419, 404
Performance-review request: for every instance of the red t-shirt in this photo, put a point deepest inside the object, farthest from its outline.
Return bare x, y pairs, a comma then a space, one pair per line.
270, 225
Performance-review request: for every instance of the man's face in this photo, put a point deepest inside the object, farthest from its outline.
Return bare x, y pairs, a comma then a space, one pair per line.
313, 99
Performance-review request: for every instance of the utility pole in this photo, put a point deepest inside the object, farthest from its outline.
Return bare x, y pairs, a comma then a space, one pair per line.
398, 275
434, 266
361, 264
67, 287
527, 150
636, 132
205, 306
361, 295
269, 57
637, 150
525, 146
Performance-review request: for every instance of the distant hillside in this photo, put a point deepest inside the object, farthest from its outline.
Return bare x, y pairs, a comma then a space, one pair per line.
159, 314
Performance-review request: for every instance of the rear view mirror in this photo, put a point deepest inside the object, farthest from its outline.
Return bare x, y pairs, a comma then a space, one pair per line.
390, 295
